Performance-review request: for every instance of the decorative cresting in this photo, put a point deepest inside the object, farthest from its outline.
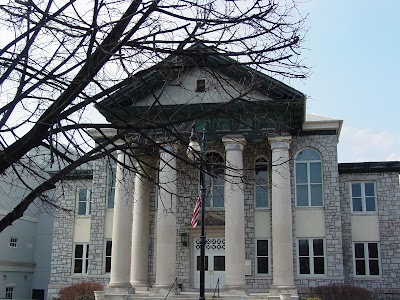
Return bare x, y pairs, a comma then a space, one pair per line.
122, 224
166, 220
234, 214
282, 239
212, 244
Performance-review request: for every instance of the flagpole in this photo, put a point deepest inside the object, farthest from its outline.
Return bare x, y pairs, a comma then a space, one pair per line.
195, 151
203, 218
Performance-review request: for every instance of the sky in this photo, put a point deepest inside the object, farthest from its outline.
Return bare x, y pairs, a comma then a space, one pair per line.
354, 51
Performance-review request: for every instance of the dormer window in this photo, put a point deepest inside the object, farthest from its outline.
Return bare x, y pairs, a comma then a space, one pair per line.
200, 85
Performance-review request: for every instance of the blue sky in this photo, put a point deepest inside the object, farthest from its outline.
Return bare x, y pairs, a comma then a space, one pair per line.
354, 49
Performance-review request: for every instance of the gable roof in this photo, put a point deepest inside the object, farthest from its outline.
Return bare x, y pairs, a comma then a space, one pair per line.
285, 99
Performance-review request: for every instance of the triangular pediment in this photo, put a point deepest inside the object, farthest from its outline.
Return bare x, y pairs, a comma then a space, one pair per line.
212, 220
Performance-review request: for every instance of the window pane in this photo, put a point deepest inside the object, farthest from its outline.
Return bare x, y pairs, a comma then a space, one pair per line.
108, 264
78, 266
108, 248
82, 208
303, 248
262, 265
301, 173
302, 195
319, 267
360, 267
218, 196
356, 190
373, 267
308, 154
316, 195
359, 250
262, 248
205, 263
87, 251
369, 189
315, 172
318, 247
261, 175
357, 204
261, 196
219, 263
78, 251
370, 204
304, 265
372, 250
83, 194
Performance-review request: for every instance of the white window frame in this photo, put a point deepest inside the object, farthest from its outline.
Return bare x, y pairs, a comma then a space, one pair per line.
84, 258
311, 257
9, 291
88, 201
107, 256
366, 260
268, 256
210, 186
261, 161
13, 242
309, 184
363, 198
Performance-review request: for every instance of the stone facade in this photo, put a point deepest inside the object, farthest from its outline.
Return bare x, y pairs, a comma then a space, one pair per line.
336, 210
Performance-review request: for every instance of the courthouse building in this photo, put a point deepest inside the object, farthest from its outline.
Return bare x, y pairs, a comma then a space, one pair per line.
282, 213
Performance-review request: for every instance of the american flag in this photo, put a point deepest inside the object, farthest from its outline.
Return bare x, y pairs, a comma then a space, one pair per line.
196, 213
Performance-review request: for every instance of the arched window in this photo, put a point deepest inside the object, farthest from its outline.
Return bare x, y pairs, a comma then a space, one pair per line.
308, 168
261, 182
214, 180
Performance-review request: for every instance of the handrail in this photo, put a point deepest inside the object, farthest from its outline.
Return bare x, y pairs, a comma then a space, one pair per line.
172, 285
216, 289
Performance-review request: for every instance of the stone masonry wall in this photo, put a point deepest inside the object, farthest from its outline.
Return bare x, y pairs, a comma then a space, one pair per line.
326, 145
388, 200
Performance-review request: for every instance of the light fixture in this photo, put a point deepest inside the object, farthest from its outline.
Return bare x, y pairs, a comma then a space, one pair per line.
184, 239
5, 277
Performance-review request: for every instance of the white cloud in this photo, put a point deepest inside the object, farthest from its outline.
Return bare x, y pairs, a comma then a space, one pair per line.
357, 145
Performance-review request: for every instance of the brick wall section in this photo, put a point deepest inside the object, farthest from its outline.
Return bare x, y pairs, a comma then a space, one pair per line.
326, 145
388, 200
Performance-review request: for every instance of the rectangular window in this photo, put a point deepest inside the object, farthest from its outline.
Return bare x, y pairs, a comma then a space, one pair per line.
261, 178
84, 201
200, 85
311, 256
81, 259
111, 179
108, 257
13, 242
363, 197
366, 259
262, 257
9, 292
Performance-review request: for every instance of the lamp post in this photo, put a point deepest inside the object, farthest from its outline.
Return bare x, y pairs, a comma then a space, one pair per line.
196, 151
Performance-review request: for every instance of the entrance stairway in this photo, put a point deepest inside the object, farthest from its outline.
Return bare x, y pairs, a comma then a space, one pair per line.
195, 296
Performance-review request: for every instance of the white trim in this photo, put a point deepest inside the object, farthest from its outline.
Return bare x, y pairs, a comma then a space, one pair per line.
311, 257
363, 197
256, 257
367, 259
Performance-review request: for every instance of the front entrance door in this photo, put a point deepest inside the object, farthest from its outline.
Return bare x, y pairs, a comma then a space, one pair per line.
214, 263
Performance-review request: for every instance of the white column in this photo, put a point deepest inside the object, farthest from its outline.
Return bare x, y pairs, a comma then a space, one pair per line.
282, 237
166, 221
234, 214
122, 224
140, 227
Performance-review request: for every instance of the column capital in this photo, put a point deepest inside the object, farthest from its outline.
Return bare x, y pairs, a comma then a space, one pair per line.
280, 142
234, 142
